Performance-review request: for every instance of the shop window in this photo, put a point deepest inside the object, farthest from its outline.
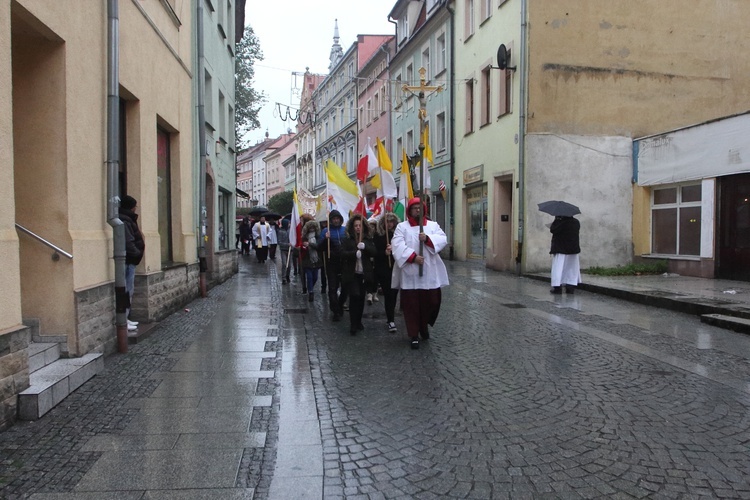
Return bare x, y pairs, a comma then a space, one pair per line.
676, 220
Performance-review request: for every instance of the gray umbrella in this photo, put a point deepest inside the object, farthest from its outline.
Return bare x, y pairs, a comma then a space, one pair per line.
562, 208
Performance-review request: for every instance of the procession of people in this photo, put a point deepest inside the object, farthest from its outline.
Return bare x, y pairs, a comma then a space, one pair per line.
359, 259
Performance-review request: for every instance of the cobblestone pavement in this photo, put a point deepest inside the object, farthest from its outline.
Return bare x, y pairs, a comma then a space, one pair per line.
517, 394
520, 394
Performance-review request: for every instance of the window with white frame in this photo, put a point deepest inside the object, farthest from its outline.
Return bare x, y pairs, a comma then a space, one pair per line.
486, 9
440, 132
676, 220
426, 63
440, 61
468, 18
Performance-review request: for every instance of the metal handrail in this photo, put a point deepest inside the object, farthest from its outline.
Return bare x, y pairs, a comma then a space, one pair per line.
45, 242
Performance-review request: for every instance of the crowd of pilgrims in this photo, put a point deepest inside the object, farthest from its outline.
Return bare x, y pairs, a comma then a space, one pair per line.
360, 260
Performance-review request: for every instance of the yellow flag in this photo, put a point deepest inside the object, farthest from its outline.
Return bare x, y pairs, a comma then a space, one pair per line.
427, 148
383, 160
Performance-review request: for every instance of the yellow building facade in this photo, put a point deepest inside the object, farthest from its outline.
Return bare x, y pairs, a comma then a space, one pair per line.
53, 155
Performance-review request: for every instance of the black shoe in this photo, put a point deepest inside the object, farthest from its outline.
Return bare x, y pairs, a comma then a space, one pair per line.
336, 317
415, 343
323, 290
361, 327
425, 334
310, 297
352, 331
570, 289
556, 290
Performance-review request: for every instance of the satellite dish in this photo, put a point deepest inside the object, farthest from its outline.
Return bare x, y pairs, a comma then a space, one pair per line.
502, 57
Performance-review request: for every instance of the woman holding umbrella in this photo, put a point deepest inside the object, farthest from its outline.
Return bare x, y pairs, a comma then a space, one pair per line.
565, 248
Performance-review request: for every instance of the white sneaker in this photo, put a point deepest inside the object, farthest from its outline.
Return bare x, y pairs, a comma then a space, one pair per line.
135, 323
375, 297
132, 328
369, 299
392, 327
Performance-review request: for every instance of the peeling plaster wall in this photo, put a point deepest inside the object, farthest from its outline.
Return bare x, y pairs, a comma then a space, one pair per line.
593, 173
636, 68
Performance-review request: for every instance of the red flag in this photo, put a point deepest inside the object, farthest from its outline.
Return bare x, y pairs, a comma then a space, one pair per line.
365, 165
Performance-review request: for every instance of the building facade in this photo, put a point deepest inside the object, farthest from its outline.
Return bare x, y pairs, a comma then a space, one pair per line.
423, 41
275, 158
586, 79
53, 147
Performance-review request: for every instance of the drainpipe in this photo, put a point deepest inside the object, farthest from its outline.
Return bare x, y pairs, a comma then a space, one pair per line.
523, 67
452, 114
203, 266
122, 301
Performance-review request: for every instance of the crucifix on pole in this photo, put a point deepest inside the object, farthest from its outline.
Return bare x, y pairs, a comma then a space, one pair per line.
421, 91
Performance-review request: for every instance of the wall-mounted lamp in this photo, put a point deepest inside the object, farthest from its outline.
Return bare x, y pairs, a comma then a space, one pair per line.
503, 58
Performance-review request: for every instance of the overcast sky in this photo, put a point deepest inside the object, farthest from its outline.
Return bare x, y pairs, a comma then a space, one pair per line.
296, 34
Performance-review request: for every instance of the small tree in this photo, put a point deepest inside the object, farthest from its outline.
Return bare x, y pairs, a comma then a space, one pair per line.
281, 203
248, 101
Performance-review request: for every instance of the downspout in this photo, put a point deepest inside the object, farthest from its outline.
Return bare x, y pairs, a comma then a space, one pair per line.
202, 146
452, 114
523, 66
122, 301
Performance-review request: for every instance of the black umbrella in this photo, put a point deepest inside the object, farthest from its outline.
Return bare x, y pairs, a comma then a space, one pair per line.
258, 211
272, 216
561, 208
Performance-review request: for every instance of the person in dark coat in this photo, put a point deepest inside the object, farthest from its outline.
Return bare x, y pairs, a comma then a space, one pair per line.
311, 260
332, 239
246, 236
135, 246
357, 271
565, 250
383, 263
286, 258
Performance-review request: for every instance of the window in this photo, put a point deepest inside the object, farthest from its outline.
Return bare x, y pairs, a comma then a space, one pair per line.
208, 92
399, 92
376, 106
403, 28
222, 117
164, 194
369, 111
399, 153
440, 62
410, 75
440, 132
484, 118
486, 9
384, 99
426, 63
676, 220
468, 18
410, 149
222, 231
469, 105
504, 93
361, 117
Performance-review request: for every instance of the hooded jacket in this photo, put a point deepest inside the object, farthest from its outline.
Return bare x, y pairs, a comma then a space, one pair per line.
134, 244
310, 256
349, 253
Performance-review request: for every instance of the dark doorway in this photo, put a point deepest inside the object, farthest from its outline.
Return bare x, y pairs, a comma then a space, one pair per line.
734, 228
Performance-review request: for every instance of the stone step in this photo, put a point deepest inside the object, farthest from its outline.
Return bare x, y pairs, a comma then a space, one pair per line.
52, 384
42, 354
735, 323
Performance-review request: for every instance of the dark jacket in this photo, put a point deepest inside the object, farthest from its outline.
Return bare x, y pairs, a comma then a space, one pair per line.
134, 244
383, 264
311, 258
246, 233
337, 236
565, 236
349, 254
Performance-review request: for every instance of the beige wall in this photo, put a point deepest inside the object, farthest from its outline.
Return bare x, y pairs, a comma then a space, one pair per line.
54, 175
636, 68
10, 292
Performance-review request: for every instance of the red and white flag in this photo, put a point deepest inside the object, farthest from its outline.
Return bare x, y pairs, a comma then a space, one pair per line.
366, 164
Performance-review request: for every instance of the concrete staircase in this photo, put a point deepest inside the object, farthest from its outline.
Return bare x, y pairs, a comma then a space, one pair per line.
52, 378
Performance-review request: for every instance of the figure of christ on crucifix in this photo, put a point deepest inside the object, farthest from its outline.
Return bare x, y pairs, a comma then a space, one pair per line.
422, 91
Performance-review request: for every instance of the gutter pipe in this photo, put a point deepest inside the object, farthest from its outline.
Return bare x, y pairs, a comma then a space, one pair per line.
122, 300
522, 137
452, 114
203, 236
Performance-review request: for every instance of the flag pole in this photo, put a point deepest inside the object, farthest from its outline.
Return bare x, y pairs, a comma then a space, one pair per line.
419, 91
